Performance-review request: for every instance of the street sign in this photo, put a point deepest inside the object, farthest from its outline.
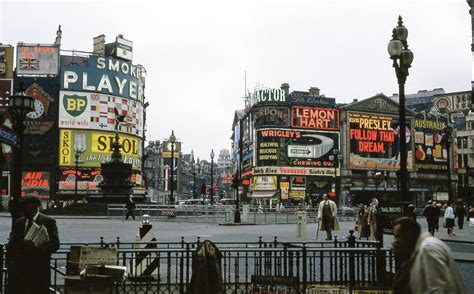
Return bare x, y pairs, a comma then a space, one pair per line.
7, 136
300, 151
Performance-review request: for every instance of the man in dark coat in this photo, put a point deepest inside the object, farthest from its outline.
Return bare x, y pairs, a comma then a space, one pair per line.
430, 212
460, 214
28, 264
130, 207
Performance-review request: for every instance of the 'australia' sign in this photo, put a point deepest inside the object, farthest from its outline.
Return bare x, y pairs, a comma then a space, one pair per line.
104, 75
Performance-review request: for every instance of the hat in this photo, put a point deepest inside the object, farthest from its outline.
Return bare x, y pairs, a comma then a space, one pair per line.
30, 198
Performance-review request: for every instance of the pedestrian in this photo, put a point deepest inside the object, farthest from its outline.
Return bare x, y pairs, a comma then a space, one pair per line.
460, 214
130, 207
430, 212
425, 263
361, 221
29, 263
437, 215
470, 216
411, 212
372, 218
327, 213
449, 219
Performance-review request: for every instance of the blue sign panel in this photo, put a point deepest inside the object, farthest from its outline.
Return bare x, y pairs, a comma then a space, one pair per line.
103, 75
7, 136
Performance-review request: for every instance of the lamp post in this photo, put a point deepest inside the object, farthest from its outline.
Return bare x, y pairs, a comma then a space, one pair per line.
172, 141
193, 169
446, 142
79, 148
402, 58
18, 105
212, 177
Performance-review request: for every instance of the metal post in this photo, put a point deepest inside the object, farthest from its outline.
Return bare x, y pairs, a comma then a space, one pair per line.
171, 200
403, 146
212, 181
77, 155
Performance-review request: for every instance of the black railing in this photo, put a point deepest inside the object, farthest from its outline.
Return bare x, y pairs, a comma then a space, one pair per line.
346, 262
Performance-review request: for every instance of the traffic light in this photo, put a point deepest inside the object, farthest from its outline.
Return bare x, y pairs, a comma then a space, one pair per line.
235, 181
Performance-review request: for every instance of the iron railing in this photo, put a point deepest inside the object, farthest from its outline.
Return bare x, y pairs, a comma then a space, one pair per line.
348, 262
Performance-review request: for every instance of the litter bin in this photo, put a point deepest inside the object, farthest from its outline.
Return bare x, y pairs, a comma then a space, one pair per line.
301, 225
228, 215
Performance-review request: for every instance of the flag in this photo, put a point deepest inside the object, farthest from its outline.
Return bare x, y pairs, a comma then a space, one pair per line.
29, 63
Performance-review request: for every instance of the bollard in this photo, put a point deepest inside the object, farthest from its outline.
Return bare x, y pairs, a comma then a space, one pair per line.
301, 225
145, 264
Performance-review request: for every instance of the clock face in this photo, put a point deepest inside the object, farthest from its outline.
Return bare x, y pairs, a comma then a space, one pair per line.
170, 145
38, 112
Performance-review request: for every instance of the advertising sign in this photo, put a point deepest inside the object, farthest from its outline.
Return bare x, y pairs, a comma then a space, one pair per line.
87, 179
453, 102
298, 183
5, 184
98, 148
167, 146
269, 96
315, 118
37, 60
303, 171
104, 75
373, 142
264, 183
35, 182
271, 117
430, 154
6, 61
81, 110
287, 147
284, 190
38, 122
6, 89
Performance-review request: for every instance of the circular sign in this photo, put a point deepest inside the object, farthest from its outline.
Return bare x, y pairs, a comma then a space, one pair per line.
443, 104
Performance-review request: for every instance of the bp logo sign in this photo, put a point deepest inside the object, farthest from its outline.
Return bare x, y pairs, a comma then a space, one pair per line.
75, 104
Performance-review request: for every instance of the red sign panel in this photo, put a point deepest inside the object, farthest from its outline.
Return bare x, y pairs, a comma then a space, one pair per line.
315, 118
37, 183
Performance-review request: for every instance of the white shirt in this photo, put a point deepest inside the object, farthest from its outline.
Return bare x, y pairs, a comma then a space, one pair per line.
449, 213
34, 219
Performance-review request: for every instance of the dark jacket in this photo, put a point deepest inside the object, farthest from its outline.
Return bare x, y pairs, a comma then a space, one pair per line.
207, 273
29, 266
130, 204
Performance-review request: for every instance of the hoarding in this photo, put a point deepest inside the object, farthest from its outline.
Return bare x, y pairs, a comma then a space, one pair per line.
289, 147
271, 117
430, 153
87, 179
39, 121
82, 110
315, 118
264, 183
373, 142
37, 60
285, 170
98, 148
6, 90
6, 61
35, 182
268, 96
104, 75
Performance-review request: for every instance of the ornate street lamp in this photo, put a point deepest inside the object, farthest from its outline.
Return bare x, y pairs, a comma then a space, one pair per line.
193, 169
79, 148
172, 141
19, 105
446, 142
402, 58
212, 177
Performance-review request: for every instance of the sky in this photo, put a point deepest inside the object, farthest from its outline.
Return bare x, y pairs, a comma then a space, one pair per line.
196, 53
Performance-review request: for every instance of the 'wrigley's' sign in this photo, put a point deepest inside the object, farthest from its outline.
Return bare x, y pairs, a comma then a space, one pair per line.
104, 75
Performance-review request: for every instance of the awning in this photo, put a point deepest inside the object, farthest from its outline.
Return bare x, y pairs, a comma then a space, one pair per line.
264, 194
